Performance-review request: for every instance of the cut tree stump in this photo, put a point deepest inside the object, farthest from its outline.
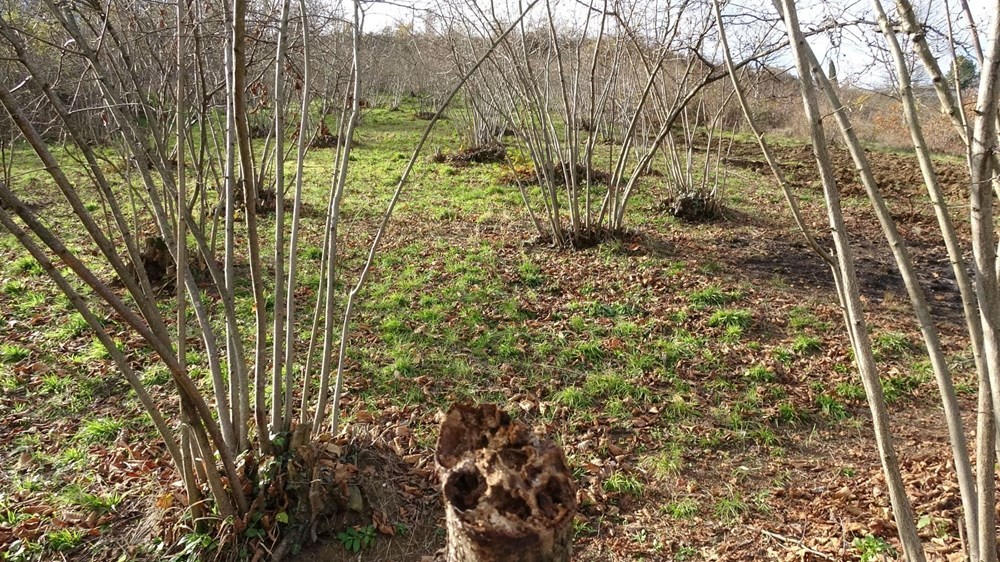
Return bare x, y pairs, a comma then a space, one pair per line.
508, 493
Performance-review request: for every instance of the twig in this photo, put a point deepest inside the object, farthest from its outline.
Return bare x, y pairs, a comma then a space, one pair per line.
798, 543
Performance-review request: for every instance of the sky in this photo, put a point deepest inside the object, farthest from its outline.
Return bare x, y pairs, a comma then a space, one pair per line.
853, 56
850, 50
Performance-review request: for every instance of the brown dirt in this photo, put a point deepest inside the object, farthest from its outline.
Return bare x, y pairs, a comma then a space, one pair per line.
783, 251
401, 489
825, 487
819, 489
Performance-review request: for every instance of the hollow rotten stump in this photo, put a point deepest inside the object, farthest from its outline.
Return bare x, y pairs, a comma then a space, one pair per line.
508, 494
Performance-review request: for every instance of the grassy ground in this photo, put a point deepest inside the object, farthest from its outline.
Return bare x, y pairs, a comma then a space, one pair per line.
698, 376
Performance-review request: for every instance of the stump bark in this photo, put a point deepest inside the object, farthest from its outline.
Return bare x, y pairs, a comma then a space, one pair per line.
509, 494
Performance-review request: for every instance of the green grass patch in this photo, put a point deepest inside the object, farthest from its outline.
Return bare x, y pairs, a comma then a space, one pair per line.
891, 345
679, 408
73, 327
585, 352
901, 386
572, 397
12, 353
62, 540
100, 430
55, 383
685, 508
26, 265
77, 497
712, 296
613, 385
621, 483
530, 273
850, 391
14, 288
871, 548
804, 345
759, 374
627, 330
832, 408
788, 413
801, 318
729, 318
613, 310
665, 463
731, 508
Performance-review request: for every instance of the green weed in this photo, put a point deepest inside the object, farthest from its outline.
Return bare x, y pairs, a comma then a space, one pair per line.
354, 539
783, 355
583, 352
789, 413
530, 273
665, 463
850, 391
891, 344
684, 345
613, 385
313, 253
14, 288
872, 548
620, 483
71, 456
675, 268
9, 383
732, 334
642, 362
95, 351
61, 540
12, 353
614, 310
156, 374
731, 508
800, 318
578, 324
710, 268
75, 326
831, 407
764, 436
195, 547
682, 509
712, 296
901, 386
23, 550
30, 302
759, 374
572, 397
731, 318
101, 430
78, 497
685, 553
11, 517
26, 265
627, 330
803, 344
393, 326
55, 383
678, 408
581, 528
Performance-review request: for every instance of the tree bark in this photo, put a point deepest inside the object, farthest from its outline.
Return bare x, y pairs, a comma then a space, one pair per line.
509, 494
